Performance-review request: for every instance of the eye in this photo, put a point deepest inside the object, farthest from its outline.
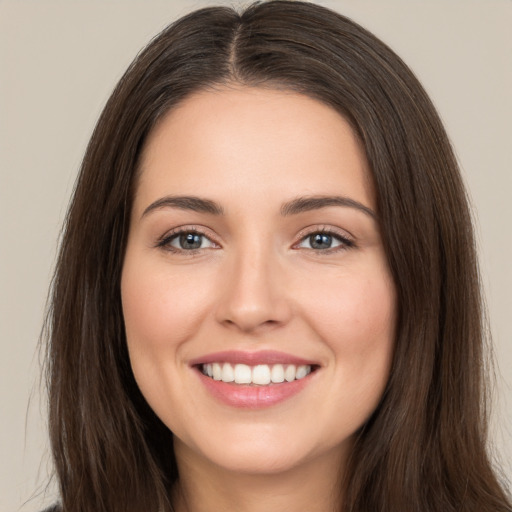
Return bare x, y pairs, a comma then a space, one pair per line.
324, 241
186, 241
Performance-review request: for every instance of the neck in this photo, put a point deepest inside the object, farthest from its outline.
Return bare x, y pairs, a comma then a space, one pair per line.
314, 485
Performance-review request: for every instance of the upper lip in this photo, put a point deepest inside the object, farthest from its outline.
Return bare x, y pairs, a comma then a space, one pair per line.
251, 358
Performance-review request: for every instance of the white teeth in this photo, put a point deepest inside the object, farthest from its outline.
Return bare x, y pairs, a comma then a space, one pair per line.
243, 374
289, 373
277, 373
302, 371
261, 374
228, 375
217, 371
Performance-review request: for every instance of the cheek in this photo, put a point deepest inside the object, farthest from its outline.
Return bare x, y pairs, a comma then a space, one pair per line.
160, 308
355, 307
355, 319
162, 311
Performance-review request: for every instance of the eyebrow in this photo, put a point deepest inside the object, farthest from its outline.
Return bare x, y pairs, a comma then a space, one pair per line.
193, 203
293, 207
306, 204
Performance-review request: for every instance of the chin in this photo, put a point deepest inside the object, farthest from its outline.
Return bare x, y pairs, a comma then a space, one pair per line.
253, 462
261, 453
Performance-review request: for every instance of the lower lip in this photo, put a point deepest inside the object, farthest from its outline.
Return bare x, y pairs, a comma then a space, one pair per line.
252, 397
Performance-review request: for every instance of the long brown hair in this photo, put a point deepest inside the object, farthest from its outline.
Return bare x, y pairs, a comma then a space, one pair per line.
423, 449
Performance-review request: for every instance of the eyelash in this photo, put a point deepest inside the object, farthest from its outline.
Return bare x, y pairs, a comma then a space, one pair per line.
165, 241
345, 242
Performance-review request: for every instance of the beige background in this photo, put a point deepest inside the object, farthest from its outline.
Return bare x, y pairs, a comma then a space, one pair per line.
58, 63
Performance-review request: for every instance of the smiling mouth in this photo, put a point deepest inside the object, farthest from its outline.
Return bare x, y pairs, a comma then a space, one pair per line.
257, 375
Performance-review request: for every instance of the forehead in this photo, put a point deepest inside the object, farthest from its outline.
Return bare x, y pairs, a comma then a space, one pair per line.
253, 140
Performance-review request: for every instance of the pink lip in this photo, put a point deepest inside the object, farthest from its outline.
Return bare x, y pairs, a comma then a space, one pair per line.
251, 358
252, 396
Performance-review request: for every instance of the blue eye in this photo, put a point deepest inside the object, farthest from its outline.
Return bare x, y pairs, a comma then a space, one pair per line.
187, 241
322, 241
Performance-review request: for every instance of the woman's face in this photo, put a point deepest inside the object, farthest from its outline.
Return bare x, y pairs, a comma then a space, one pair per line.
254, 254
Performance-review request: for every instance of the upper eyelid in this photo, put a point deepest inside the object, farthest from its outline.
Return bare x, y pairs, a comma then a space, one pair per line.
301, 235
347, 241
310, 230
200, 230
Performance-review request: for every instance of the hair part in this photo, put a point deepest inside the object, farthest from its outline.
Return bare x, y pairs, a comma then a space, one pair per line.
424, 447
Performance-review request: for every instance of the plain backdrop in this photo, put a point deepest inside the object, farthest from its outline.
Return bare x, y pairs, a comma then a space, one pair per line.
58, 63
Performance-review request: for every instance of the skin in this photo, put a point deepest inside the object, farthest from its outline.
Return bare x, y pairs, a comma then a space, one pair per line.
257, 283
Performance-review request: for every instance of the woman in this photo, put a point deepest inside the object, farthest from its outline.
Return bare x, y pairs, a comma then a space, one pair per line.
267, 294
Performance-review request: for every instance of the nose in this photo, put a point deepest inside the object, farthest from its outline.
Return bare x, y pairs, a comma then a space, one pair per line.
254, 296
